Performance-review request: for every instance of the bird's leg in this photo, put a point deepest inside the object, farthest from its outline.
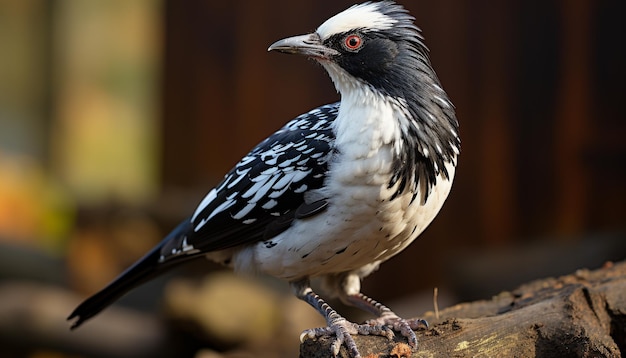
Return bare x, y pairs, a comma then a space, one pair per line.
337, 325
386, 317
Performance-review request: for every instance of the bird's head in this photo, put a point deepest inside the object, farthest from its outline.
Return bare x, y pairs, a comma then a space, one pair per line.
374, 48
375, 43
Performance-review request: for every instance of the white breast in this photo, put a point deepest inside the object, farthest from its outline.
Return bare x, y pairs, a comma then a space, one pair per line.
361, 224
365, 228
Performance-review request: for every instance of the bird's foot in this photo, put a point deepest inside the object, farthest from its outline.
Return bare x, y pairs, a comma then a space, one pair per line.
343, 330
406, 327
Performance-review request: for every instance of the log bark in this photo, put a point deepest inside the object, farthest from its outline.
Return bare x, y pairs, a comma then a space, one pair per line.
579, 315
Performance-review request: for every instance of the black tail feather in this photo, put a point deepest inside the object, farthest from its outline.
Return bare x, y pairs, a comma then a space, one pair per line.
142, 271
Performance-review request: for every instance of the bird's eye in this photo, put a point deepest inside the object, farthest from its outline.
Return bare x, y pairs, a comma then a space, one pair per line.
353, 42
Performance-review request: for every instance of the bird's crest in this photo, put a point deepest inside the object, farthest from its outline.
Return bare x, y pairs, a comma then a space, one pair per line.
374, 16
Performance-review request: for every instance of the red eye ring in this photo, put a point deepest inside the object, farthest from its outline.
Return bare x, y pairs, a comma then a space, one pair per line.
353, 42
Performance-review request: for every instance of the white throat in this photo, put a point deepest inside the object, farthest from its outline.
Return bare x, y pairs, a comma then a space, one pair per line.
378, 117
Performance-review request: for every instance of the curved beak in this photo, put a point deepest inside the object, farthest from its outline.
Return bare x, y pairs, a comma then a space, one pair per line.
308, 45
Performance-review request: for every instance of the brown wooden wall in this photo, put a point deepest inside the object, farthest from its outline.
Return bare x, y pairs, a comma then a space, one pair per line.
538, 86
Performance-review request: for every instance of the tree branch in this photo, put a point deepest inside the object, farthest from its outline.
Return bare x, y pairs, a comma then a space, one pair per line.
581, 315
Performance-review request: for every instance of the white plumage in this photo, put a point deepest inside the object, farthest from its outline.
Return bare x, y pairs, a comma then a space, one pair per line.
337, 190
360, 219
365, 15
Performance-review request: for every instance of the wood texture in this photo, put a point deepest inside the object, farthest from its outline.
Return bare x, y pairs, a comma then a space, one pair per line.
579, 315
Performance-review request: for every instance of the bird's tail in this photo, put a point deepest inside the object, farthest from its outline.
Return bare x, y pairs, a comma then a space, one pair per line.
143, 270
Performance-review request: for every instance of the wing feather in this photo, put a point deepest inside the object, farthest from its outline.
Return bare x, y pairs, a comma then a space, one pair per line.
259, 197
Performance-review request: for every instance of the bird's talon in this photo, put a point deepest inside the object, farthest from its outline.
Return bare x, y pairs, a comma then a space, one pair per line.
372, 328
405, 327
305, 335
418, 324
342, 330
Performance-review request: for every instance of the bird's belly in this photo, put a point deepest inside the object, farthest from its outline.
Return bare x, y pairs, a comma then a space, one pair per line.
366, 228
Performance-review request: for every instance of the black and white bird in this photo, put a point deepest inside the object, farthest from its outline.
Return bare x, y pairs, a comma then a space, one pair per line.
337, 190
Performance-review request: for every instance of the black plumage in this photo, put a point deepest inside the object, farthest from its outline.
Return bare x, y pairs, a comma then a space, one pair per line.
333, 193
303, 145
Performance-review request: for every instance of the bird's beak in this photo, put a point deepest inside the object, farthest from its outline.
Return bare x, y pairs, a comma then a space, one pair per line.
308, 45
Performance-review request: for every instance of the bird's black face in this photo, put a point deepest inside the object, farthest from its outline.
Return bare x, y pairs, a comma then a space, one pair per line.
380, 59
373, 43
369, 56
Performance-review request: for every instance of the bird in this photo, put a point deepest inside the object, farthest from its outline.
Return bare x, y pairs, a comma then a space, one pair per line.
337, 190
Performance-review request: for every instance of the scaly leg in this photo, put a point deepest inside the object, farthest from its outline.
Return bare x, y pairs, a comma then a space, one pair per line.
386, 317
337, 325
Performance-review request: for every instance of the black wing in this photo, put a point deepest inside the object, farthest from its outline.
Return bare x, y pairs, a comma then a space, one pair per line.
262, 194
256, 200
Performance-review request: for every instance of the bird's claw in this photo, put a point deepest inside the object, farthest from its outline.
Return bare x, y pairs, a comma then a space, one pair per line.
406, 327
343, 331
383, 326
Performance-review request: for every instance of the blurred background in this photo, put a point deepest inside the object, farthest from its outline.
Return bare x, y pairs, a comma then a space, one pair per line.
116, 117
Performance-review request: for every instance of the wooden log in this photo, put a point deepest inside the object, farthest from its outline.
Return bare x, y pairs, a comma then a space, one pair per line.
579, 315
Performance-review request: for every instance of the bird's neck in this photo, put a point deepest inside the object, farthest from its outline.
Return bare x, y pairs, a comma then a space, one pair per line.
366, 123
366, 119
418, 134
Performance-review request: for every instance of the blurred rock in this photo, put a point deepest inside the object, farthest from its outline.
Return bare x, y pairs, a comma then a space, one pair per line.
33, 317
234, 311
229, 308
107, 239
